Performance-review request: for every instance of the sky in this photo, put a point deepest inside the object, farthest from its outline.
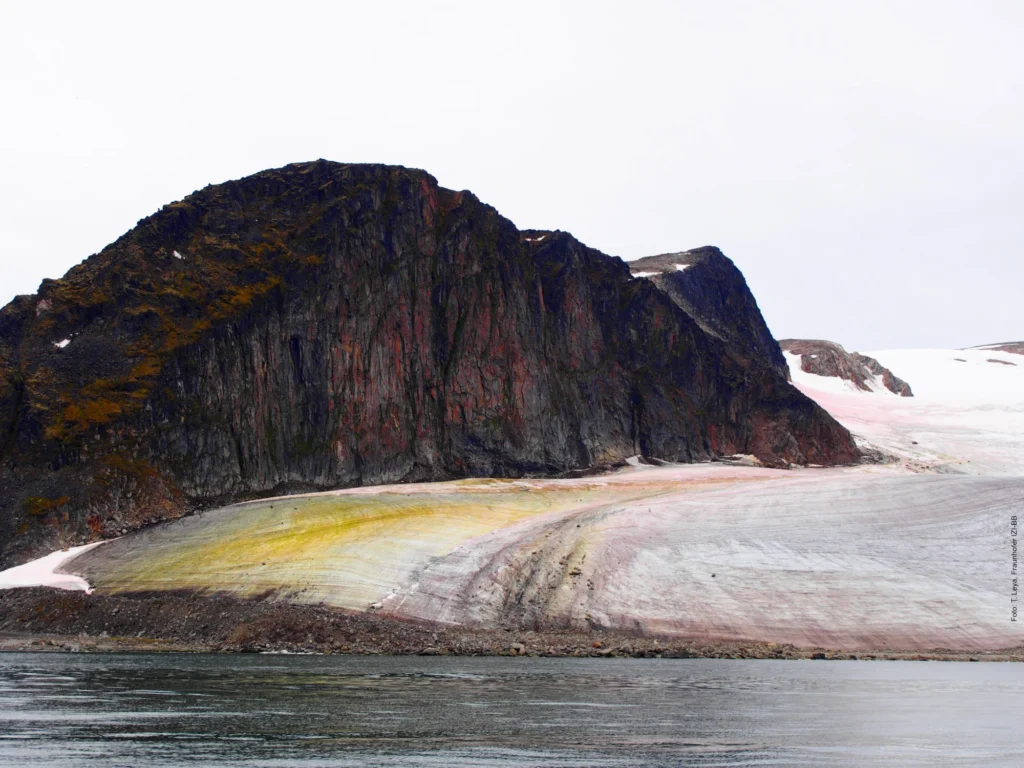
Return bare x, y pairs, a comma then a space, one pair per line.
861, 162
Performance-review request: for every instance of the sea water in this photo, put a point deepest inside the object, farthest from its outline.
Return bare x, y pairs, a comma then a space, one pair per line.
159, 710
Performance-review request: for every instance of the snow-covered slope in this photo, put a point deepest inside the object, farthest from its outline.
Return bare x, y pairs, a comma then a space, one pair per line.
913, 553
864, 557
849, 560
967, 415
959, 374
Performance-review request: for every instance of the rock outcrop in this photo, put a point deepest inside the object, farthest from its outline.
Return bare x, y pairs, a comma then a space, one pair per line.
1013, 347
326, 325
826, 358
709, 288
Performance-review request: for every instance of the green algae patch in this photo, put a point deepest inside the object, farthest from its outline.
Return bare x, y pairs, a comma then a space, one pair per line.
349, 550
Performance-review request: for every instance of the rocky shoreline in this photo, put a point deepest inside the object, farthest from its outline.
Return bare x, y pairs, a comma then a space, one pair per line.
43, 620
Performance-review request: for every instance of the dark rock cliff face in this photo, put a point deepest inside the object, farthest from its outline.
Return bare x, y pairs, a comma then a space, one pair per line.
709, 287
826, 358
326, 325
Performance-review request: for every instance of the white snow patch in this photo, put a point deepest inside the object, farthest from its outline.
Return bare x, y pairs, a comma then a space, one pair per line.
638, 462
643, 274
43, 572
682, 267
178, 255
62, 343
936, 374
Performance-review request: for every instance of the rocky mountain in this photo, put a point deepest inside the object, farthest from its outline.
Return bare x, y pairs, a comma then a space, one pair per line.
326, 325
826, 358
711, 290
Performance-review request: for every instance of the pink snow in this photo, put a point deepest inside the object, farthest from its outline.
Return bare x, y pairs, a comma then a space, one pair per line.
966, 417
44, 572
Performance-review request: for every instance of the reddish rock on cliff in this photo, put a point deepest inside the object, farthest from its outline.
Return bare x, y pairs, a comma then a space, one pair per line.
325, 325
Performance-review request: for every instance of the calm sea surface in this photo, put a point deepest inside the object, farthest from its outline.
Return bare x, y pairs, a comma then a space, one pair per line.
179, 710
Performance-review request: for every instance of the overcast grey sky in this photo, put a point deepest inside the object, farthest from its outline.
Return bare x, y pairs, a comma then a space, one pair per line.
861, 162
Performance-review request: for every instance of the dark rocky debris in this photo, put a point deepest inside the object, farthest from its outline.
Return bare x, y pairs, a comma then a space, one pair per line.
47, 620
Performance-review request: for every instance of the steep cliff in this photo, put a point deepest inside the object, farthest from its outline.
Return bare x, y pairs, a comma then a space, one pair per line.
325, 325
709, 287
826, 358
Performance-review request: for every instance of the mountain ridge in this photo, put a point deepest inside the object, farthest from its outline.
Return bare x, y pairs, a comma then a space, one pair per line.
324, 325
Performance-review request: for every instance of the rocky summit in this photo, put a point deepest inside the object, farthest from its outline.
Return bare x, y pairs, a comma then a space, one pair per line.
709, 288
326, 325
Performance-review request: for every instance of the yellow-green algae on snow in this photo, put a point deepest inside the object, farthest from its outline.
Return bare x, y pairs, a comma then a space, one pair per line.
348, 549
